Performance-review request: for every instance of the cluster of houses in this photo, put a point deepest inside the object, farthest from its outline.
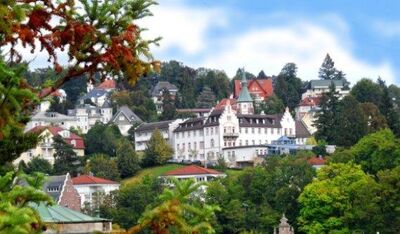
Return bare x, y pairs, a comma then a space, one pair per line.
231, 130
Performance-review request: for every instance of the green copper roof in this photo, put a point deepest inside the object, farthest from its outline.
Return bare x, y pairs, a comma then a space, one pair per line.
60, 214
244, 95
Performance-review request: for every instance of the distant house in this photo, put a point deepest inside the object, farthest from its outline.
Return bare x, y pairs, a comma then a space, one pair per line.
197, 112
44, 149
51, 119
317, 162
59, 219
108, 85
144, 131
200, 174
97, 96
285, 145
317, 87
88, 185
61, 189
260, 89
60, 94
302, 133
158, 90
87, 115
125, 118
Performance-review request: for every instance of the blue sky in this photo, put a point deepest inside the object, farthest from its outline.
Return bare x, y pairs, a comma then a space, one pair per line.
361, 36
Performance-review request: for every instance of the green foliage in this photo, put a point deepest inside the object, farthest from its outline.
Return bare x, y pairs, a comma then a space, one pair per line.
158, 151
320, 148
102, 139
272, 105
65, 159
60, 107
38, 165
288, 87
103, 166
365, 90
351, 122
206, 99
255, 199
179, 211
168, 105
342, 199
328, 70
127, 159
17, 215
375, 120
16, 143
131, 201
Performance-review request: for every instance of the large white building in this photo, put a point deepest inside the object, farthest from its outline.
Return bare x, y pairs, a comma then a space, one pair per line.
318, 87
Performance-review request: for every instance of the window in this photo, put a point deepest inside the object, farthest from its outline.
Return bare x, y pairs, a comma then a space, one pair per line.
266, 130
121, 117
212, 142
233, 153
245, 130
195, 145
201, 144
177, 146
194, 132
257, 151
252, 130
260, 142
229, 154
206, 131
177, 135
247, 142
52, 189
259, 130
254, 142
183, 146
240, 142
272, 130
189, 146
212, 131
229, 118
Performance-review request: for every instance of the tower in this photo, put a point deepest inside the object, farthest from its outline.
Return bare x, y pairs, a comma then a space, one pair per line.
245, 101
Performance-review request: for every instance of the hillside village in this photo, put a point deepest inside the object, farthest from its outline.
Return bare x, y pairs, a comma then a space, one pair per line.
116, 141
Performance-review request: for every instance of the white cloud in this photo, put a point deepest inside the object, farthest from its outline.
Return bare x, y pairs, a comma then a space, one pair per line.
386, 28
182, 27
303, 43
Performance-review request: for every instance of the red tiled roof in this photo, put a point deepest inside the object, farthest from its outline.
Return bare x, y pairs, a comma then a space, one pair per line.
107, 84
310, 101
79, 143
316, 161
221, 104
88, 179
192, 170
56, 93
264, 87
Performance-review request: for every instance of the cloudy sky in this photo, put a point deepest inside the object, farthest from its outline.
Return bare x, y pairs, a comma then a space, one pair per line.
361, 36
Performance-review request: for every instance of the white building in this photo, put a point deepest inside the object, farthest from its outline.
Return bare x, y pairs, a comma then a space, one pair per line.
87, 115
89, 186
199, 174
44, 149
51, 119
144, 131
125, 118
157, 93
318, 87
230, 132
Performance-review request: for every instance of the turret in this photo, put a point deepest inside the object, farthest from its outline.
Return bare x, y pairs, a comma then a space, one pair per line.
245, 101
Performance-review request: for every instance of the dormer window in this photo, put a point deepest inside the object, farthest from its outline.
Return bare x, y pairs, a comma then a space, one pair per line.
52, 189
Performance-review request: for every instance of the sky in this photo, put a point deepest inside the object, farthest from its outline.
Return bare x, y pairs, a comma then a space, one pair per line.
361, 36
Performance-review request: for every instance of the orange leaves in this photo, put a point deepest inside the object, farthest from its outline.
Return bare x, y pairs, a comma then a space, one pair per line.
39, 18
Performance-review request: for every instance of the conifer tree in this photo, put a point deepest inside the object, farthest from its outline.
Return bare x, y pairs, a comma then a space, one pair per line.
328, 71
65, 159
326, 117
288, 86
168, 104
206, 99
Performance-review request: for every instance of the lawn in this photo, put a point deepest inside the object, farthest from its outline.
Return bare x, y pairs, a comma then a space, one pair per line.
153, 171
158, 171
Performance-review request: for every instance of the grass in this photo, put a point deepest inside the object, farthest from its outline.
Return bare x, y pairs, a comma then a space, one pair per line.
152, 171
160, 170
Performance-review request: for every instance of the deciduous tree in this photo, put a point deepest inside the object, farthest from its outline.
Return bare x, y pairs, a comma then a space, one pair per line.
158, 151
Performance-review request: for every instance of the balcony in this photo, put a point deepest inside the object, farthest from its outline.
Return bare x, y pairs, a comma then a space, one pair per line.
231, 134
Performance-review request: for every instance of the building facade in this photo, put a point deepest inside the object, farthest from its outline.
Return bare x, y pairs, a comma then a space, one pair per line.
125, 118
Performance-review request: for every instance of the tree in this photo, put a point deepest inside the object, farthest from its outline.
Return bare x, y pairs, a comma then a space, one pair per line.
261, 75
132, 200
342, 199
365, 90
16, 203
103, 166
352, 124
288, 87
168, 104
65, 159
127, 159
328, 70
389, 181
206, 99
320, 148
179, 211
102, 139
326, 116
388, 109
272, 105
375, 120
158, 151
39, 165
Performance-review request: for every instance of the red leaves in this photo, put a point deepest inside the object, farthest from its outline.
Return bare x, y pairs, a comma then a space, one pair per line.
39, 18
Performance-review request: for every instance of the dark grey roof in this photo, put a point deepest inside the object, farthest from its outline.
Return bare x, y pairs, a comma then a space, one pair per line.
128, 113
161, 85
54, 186
325, 83
191, 124
272, 121
213, 118
153, 126
95, 93
301, 130
106, 104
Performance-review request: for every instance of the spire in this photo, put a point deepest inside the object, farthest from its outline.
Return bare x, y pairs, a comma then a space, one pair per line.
244, 95
244, 80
